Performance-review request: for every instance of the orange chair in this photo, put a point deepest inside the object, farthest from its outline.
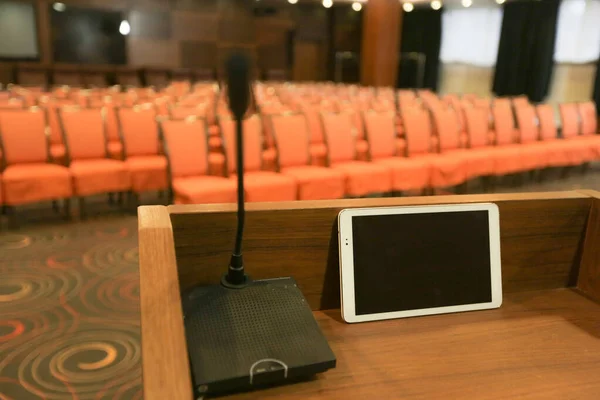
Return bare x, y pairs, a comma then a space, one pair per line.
12, 103
293, 159
318, 148
589, 126
481, 155
28, 175
186, 146
258, 185
139, 134
581, 149
534, 154
558, 153
446, 170
362, 178
92, 170
508, 157
452, 169
114, 142
57, 146
407, 173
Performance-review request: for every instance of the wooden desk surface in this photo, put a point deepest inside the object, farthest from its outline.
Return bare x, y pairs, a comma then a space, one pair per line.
539, 345
544, 342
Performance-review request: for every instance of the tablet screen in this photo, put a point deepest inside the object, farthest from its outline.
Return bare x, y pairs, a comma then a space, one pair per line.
418, 261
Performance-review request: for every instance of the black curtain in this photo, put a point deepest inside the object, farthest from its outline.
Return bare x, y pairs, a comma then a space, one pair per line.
421, 33
526, 52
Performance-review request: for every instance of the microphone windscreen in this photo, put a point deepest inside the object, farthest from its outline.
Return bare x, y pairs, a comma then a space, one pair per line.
238, 84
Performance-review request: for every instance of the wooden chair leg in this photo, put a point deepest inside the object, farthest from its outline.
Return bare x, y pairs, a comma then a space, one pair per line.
111, 198
120, 198
585, 168
67, 209
55, 206
135, 200
82, 210
11, 213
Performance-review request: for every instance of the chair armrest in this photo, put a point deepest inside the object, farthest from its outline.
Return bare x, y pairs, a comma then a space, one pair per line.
269, 157
401, 146
216, 164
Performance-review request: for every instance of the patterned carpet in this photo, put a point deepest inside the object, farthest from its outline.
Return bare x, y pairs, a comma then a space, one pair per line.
69, 311
69, 302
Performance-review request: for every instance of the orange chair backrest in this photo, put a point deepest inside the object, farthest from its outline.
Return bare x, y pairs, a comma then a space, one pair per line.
315, 128
381, 134
504, 123
520, 101
253, 142
139, 130
527, 120
12, 103
23, 135
589, 118
111, 123
186, 144
84, 132
547, 125
183, 112
478, 126
340, 136
291, 139
447, 128
417, 130
570, 119
53, 108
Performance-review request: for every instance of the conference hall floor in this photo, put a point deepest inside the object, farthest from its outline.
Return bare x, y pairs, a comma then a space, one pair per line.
69, 301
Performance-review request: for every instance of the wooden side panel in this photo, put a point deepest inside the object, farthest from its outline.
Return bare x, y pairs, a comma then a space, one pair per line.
380, 37
165, 365
589, 275
541, 236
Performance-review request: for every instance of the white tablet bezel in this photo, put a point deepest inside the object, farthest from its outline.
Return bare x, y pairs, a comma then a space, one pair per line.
347, 259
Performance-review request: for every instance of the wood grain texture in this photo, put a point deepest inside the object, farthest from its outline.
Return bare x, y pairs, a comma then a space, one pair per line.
539, 345
165, 364
382, 20
153, 52
589, 275
198, 54
299, 239
195, 26
150, 24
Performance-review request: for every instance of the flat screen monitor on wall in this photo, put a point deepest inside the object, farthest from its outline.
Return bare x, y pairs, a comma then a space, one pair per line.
18, 31
87, 36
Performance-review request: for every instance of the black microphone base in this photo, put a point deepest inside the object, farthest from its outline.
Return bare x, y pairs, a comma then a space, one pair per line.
243, 339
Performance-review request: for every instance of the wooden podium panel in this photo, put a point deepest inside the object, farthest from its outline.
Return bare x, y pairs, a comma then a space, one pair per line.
543, 342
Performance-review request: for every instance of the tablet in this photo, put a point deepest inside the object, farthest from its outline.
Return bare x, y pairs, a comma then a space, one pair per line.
400, 262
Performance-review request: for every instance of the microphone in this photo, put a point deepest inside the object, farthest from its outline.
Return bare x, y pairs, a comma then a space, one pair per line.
243, 334
238, 92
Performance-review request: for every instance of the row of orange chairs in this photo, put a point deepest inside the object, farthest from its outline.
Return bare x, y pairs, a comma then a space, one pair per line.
431, 150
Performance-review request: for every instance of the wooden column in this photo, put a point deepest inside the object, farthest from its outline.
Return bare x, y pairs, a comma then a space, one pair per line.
44, 32
382, 20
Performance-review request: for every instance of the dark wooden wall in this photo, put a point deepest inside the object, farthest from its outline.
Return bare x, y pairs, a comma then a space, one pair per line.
299, 39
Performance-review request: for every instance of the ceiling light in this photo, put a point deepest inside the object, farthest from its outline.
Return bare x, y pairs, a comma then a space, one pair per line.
292, 1
436, 4
500, 1
467, 3
408, 7
356, 6
60, 7
124, 28
327, 3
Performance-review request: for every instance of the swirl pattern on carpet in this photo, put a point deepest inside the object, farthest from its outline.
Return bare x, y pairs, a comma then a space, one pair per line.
69, 312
